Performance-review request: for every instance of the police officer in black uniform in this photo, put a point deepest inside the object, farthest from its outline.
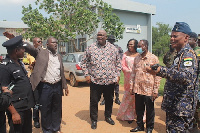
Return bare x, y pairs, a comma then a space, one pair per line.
5, 96
15, 74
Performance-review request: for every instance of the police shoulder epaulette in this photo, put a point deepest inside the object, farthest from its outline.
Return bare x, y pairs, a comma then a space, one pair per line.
5, 62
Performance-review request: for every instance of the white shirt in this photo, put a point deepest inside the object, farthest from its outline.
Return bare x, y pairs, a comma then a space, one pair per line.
53, 69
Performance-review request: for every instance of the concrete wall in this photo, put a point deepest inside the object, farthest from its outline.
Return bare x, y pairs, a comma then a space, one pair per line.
2, 40
132, 19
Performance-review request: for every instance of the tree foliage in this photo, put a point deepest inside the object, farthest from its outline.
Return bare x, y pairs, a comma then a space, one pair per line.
67, 18
160, 38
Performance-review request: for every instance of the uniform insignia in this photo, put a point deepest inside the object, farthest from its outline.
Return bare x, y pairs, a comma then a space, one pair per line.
187, 63
4, 63
188, 59
176, 61
16, 71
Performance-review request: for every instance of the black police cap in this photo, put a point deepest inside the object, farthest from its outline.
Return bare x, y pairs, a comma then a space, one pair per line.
182, 27
13, 43
111, 37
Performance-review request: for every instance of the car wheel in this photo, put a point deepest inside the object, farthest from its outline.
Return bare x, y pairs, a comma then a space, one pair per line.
72, 80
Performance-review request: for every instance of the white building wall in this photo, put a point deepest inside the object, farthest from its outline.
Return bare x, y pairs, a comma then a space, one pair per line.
2, 40
132, 19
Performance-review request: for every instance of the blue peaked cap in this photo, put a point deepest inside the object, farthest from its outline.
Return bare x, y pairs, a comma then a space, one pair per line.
182, 27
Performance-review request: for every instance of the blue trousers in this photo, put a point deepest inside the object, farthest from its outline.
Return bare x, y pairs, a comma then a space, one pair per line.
178, 124
50, 97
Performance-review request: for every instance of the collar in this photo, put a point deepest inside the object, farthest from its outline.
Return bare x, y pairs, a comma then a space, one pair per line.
52, 53
100, 46
186, 47
145, 57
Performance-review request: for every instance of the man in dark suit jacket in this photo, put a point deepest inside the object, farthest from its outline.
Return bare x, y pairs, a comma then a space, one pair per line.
48, 76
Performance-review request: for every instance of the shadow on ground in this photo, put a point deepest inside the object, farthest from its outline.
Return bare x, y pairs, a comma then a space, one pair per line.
80, 84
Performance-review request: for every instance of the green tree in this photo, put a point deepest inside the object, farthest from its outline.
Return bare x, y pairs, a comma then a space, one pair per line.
67, 18
160, 38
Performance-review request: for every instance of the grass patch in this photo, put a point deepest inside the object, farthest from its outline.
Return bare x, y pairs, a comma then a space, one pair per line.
162, 82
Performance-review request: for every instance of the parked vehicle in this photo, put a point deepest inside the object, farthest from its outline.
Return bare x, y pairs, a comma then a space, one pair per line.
72, 69
2, 56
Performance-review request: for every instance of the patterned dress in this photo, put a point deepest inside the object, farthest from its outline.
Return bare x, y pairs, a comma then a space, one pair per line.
127, 107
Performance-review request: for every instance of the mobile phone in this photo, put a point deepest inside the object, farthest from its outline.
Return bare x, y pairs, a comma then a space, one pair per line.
154, 67
11, 86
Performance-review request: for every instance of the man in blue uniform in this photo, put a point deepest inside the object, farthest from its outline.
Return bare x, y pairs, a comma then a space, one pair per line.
180, 92
20, 113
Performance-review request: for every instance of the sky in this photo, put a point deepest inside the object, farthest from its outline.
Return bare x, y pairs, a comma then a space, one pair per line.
167, 11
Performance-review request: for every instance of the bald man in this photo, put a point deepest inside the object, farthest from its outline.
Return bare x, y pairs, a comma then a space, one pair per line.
101, 65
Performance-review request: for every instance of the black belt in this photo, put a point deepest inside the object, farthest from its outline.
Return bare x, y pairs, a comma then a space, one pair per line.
50, 83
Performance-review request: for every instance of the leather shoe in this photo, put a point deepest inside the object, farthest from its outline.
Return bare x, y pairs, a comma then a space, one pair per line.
103, 102
130, 121
137, 129
110, 121
94, 125
36, 124
149, 131
117, 101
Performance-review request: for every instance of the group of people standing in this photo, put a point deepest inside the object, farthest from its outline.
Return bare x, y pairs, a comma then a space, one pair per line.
142, 74
102, 64
47, 77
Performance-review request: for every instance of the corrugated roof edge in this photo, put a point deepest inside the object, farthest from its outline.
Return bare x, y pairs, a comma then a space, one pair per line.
12, 24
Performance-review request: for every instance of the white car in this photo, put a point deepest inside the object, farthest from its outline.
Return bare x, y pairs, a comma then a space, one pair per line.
72, 69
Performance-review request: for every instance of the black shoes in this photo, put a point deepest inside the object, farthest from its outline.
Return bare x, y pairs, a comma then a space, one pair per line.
137, 129
110, 121
36, 124
149, 131
103, 102
94, 125
117, 101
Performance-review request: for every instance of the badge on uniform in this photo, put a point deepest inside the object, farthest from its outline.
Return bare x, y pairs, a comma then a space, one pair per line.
176, 61
188, 61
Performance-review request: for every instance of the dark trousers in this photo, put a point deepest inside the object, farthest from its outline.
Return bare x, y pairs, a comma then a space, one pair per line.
50, 97
95, 95
116, 88
25, 126
35, 115
2, 122
142, 101
116, 91
36, 111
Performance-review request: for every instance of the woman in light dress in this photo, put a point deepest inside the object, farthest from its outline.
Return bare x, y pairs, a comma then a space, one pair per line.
126, 110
